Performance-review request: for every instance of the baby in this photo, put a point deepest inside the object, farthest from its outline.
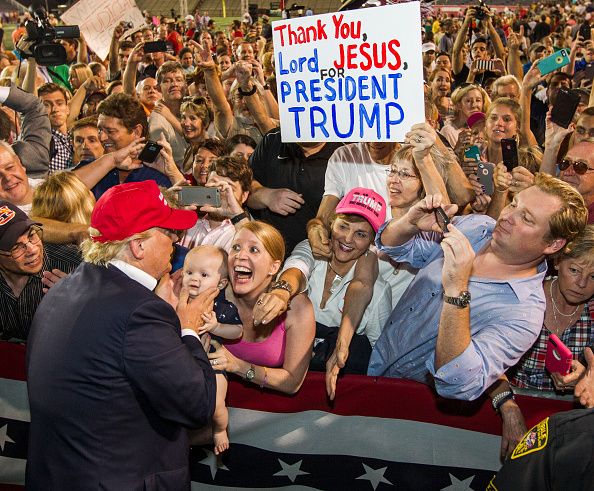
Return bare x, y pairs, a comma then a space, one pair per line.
206, 267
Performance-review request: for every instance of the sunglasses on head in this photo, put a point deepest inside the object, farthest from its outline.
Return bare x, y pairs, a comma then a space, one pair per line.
579, 166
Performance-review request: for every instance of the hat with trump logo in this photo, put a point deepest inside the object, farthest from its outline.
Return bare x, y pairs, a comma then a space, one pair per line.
134, 207
366, 203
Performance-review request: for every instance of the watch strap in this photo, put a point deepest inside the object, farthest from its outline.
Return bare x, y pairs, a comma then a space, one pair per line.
247, 93
462, 300
239, 218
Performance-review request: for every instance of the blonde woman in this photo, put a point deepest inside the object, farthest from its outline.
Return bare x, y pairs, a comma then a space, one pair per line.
467, 99
78, 74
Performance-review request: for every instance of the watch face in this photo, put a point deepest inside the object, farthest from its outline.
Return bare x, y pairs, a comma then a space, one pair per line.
250, 374
465, 298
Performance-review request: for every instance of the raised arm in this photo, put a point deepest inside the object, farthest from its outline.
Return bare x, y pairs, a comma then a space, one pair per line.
222, 110
420, 217
494, 37
114, 60
129, 76
422, 137
457, 60
29, 82
34, 143
514, 63
57, 232
76, 103
82, 52
554, 137
124, 159
249, 92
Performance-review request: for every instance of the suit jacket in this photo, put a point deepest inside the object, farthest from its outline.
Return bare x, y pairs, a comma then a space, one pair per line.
34, 143
112, 387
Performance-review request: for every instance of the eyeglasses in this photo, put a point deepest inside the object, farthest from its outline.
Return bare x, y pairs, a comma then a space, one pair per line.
18, 250
580, 130
402, 175
579, 166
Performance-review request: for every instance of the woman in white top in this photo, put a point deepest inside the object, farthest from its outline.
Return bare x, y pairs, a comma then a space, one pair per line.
358, 216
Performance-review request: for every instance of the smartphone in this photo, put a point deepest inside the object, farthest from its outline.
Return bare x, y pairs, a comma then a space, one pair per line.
199, 195
485, 176
558, 359
473, 152
509, 149
585, 31
442, 219
566, 104
150, 152
551, 63
155, 47
485, 65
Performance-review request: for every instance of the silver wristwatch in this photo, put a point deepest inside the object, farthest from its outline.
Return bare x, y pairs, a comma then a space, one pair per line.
462, 301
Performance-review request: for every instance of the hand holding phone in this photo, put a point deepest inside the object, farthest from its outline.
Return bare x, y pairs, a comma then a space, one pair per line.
509, 150
558, 358
200, 196
150, 152
442, 219
485, 176
566, 104
551, 63
155, 47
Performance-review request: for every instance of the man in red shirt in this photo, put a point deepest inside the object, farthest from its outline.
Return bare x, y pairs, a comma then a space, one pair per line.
174, 37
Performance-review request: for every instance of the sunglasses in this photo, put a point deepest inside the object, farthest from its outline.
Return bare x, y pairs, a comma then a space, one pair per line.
579, 166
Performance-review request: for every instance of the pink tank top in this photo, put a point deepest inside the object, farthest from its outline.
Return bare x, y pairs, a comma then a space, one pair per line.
268, 353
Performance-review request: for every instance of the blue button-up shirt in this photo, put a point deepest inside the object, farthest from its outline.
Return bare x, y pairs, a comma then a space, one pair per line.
505, 318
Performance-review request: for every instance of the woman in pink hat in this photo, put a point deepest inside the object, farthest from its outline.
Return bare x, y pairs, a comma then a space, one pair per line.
347, 332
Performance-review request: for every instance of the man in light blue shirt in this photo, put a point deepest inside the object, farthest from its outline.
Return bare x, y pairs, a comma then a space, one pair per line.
476, 304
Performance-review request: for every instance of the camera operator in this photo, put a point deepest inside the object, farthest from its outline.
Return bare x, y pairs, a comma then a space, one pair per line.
478, 46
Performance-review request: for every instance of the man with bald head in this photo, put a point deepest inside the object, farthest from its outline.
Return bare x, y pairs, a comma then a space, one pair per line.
148, 93
577, 169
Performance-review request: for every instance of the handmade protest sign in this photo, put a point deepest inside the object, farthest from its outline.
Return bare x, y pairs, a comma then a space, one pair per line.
98, 18
350, 76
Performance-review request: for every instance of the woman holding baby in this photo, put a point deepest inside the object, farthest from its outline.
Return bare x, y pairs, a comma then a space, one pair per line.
276, 354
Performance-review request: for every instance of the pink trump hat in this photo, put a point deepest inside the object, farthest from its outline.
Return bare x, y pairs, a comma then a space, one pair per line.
365, 203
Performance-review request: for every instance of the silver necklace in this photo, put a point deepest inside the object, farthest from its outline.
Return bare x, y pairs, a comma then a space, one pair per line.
555, 308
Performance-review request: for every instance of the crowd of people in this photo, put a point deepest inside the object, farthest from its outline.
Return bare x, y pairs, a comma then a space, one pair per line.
431, 259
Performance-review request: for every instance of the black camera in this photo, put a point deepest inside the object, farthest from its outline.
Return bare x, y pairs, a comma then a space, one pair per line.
128, 25
43, 36
482, 11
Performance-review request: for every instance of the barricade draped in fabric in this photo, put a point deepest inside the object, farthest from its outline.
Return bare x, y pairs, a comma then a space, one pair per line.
379, 434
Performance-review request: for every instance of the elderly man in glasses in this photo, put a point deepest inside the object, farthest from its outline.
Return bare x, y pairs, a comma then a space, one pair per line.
22, 259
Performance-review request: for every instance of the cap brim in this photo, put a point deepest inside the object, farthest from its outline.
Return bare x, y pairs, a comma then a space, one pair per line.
10, 237
180, 220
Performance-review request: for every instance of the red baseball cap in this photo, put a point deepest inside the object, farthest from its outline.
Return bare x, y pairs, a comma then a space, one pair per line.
131, 208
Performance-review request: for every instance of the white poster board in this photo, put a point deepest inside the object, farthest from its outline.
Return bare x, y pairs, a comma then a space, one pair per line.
98, 18
350, 76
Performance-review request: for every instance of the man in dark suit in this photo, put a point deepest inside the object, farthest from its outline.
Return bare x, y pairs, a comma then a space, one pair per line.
115, 374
